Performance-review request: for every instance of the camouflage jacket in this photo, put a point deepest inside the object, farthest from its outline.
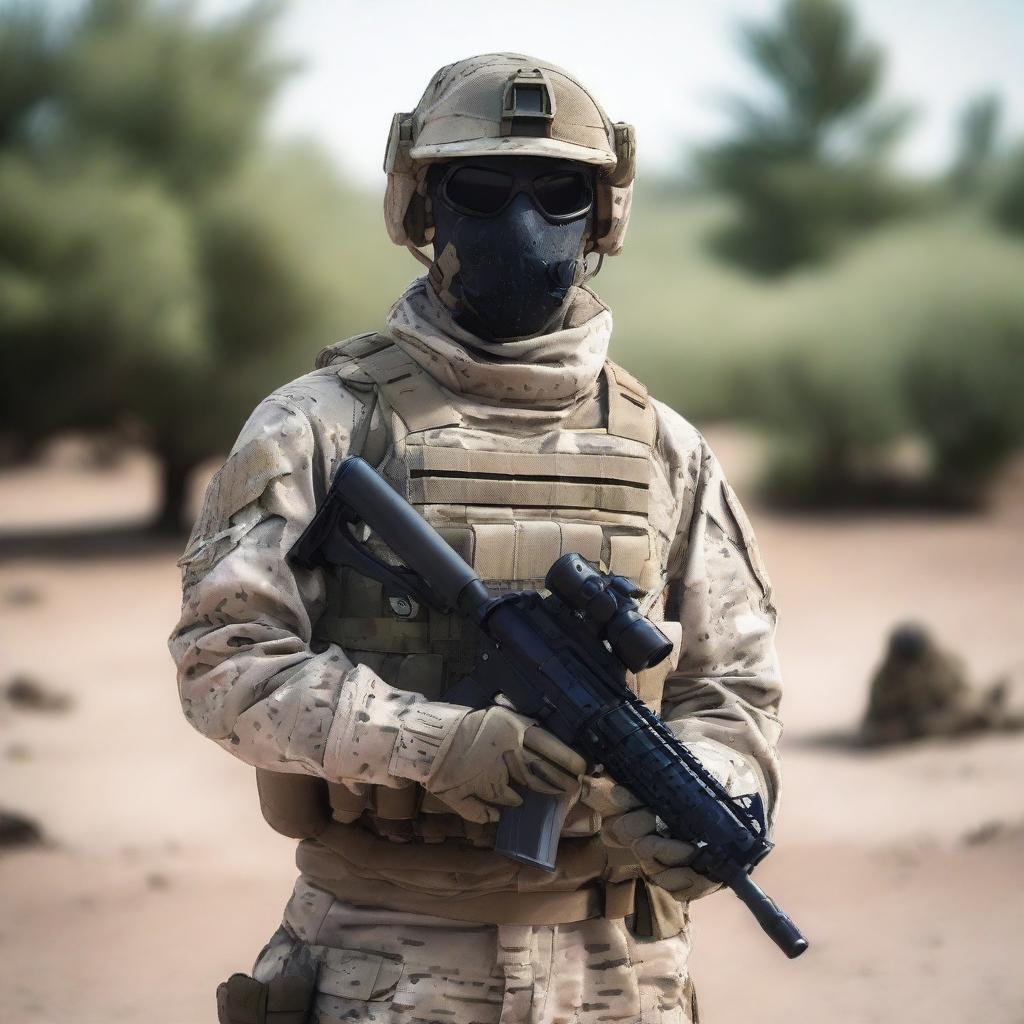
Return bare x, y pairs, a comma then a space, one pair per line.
250, 679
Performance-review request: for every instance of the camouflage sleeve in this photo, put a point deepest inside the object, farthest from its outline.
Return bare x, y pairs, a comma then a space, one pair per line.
722, 696
247, 676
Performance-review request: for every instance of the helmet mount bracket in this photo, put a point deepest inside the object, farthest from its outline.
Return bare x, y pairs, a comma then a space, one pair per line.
527, 105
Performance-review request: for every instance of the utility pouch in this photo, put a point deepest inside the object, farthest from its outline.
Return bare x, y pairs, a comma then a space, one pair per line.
657, 914
284, 996
244, 1000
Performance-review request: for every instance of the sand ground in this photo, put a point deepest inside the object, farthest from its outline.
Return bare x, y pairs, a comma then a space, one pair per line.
160, 879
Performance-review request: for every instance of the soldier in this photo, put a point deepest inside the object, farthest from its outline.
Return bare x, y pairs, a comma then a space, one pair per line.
489, 402
920, 690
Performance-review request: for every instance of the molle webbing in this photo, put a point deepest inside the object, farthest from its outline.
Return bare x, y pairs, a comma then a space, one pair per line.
565, 480
630, 413
560, 487
442, 635
408, 388
359, 618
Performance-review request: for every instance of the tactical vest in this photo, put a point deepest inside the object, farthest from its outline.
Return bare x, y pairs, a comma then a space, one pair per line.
510, 504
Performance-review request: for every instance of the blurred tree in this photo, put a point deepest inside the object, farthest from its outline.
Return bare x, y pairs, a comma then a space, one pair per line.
26, 67
894, 376
1008, 207
963, 383
978, 130
830, 410
805, 166
152, 278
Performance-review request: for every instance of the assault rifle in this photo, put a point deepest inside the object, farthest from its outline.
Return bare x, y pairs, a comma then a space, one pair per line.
560, 659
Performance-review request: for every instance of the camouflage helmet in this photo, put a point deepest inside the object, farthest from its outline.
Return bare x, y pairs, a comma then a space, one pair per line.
507, 104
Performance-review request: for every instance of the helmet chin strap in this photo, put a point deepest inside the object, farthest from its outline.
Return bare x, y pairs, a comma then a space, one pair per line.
589, 267
421, 256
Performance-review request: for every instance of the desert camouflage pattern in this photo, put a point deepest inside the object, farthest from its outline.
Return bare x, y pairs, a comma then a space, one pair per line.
460, 115
537, 381
386, 966
297, 673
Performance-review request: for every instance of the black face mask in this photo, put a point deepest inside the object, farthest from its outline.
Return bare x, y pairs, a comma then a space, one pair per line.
517, 228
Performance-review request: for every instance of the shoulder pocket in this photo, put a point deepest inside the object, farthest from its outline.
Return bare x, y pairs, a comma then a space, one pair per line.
230, 506
729, 514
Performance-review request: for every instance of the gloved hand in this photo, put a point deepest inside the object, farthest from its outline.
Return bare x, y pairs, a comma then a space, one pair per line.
493, 748
630, 827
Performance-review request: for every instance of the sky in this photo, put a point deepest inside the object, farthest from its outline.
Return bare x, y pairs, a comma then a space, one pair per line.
662, 65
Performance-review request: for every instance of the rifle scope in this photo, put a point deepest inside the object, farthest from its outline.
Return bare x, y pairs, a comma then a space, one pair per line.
606, 603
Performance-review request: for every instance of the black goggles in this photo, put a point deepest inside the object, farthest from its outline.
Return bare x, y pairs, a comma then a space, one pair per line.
560, 195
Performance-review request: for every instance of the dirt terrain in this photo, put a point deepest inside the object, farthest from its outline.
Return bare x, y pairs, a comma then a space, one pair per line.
158, 877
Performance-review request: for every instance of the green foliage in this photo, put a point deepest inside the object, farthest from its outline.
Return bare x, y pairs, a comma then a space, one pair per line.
26, 66
978, 130
1008, 207
819, 67
799, 211
155, 270
921, 334
964, 380
832, 364
182, 102
96, 280
831, 409
805, 165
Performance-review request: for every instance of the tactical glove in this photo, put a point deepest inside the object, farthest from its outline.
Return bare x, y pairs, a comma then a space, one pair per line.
492, 749
630, 828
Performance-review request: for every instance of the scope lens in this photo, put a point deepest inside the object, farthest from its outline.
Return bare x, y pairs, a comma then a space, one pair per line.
640, 645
